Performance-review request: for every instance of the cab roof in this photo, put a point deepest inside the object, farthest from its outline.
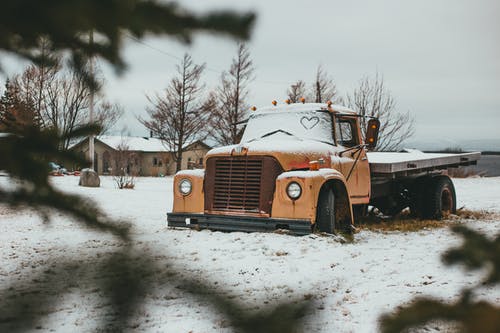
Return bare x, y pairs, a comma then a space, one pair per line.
298, 107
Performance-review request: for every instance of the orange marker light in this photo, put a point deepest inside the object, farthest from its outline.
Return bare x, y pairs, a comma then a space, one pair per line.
274, 103
287, 101
303, 100
253, 108
314, 165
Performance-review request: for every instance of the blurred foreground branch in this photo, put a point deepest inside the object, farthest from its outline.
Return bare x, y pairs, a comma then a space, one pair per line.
64, 25
117, 284
476, 252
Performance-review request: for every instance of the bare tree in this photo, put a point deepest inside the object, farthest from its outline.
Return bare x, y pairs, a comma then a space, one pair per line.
323, 88
296, 91
178, 117
124, 168
67, 103
107, 114
61, 100
372, 98
228, 106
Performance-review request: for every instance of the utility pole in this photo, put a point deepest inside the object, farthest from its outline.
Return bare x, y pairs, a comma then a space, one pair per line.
89, 177
91, 107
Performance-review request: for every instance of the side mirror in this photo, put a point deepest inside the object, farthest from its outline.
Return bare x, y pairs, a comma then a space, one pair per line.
371, 136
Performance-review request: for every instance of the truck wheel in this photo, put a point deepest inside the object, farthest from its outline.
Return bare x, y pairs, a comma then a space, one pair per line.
439, 199
325, 216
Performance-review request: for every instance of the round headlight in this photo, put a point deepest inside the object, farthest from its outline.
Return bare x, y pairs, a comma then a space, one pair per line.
294, 190
185, 186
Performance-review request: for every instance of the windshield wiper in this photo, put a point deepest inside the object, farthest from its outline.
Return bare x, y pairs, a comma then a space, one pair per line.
322, 141
277, 131
273, 132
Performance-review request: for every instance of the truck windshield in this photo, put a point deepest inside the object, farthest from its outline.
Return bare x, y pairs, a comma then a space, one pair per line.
311, 125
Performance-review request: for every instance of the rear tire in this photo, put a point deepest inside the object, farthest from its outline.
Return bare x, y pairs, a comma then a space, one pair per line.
439, 199
325, 216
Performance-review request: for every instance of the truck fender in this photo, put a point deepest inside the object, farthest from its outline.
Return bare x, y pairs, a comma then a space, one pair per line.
312, 183
194, 202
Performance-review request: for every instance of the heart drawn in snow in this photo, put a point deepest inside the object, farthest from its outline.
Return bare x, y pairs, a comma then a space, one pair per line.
309, 122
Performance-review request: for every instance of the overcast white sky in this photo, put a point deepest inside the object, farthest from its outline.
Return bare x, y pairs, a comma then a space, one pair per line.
440, 58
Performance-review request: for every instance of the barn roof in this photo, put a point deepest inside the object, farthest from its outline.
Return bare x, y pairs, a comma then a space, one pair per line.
134, 143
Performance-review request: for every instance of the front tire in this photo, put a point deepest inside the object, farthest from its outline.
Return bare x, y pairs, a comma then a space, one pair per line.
325, 216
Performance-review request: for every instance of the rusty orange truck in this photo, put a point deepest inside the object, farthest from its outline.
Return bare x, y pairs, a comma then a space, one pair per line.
306, 167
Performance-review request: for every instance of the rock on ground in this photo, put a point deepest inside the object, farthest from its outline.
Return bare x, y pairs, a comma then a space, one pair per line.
89, 178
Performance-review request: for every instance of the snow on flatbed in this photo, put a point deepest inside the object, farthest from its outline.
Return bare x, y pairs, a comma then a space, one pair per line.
391, 162
352, 284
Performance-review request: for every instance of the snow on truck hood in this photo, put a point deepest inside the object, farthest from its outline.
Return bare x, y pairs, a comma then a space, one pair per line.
278, 142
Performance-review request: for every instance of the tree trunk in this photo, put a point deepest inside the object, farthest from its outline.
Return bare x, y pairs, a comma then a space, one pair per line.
178, 163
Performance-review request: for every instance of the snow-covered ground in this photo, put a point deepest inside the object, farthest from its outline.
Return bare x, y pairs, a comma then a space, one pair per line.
352, 284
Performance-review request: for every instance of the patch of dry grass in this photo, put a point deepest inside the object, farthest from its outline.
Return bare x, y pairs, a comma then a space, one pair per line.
406, 223
476, 214
5, 210
403, 225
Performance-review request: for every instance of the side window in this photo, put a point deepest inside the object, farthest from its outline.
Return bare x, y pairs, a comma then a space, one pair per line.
345, 133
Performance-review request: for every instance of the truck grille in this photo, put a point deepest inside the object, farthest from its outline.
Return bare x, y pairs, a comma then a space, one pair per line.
240, 183
237, 184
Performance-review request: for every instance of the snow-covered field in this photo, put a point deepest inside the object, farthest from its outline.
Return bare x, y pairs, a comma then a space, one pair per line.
352, 284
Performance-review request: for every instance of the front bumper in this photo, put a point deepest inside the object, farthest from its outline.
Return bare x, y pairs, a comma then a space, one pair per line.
237, 223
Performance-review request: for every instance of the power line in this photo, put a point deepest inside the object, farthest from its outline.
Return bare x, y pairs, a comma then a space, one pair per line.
211, 69
137, 40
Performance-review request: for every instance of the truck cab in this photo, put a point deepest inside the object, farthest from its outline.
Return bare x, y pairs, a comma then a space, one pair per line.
299, 166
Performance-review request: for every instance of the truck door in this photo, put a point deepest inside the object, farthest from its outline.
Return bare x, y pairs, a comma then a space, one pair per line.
353, 160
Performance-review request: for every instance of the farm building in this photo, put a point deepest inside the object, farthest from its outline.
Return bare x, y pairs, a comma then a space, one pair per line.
143, 156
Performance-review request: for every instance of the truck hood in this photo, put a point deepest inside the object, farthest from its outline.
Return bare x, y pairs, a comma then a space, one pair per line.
291, 152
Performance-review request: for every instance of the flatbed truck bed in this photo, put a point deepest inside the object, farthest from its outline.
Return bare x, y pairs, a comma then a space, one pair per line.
414, 179
392, 165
